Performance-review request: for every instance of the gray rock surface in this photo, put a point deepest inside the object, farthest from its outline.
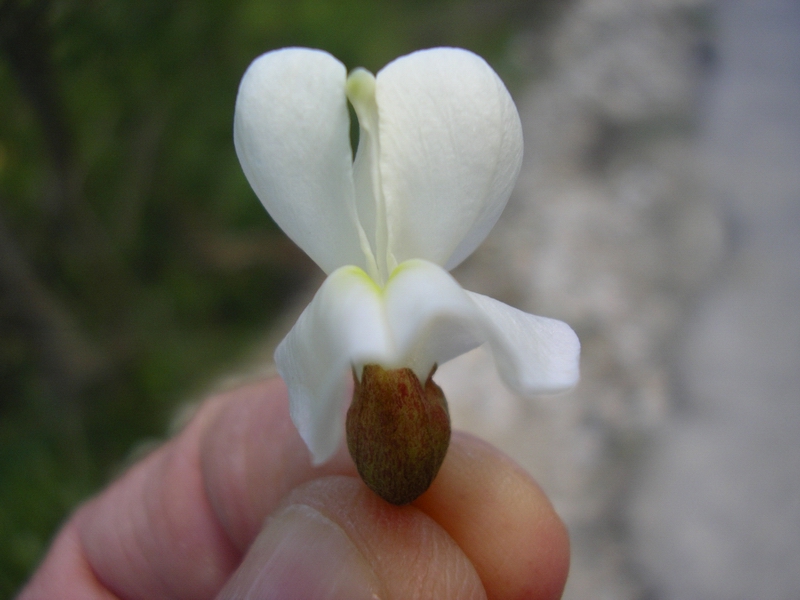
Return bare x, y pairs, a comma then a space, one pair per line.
658, 213
716, 514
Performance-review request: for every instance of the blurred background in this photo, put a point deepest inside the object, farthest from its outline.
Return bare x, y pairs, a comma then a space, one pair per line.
658, 212
136, 265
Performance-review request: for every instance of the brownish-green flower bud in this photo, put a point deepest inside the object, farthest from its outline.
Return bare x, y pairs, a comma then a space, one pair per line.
397, 431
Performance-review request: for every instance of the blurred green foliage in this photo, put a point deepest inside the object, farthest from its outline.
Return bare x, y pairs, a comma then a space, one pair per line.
135, 263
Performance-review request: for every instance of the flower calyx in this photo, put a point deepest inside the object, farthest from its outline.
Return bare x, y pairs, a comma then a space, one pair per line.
398, 431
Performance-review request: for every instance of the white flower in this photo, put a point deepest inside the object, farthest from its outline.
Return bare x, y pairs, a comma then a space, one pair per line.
440, 149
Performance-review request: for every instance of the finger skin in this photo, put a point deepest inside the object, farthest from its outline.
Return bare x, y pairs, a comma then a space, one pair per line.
501, 519
401, 552
154, 532
411, 554
177, 524
65, 573
252, 457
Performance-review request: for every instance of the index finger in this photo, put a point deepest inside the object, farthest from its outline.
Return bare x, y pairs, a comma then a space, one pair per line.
493, 510
501, 519
178, 523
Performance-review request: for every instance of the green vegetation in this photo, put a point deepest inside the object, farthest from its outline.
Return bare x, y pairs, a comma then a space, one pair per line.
135, 263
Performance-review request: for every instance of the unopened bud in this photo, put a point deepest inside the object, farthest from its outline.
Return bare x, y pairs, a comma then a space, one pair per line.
398, 431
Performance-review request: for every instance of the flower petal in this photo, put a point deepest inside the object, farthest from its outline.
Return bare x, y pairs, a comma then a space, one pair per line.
421, 318
533, 355
433, 320
292, 136
344, 324
450, 152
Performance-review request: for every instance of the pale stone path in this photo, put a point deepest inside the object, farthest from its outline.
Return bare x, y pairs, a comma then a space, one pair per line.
718, 512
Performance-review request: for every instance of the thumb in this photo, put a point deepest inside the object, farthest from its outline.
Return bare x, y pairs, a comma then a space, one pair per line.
301, 553
333, 538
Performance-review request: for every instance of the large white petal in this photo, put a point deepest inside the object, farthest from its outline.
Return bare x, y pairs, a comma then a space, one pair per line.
292, 136
450, 152
345, 324
533, 354
433, 319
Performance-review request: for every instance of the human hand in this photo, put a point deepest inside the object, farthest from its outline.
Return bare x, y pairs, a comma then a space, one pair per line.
232, 508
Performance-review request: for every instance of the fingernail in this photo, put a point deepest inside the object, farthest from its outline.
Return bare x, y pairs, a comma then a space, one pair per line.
302, 554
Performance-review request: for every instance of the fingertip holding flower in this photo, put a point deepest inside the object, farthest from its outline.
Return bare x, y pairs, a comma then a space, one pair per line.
439, 152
